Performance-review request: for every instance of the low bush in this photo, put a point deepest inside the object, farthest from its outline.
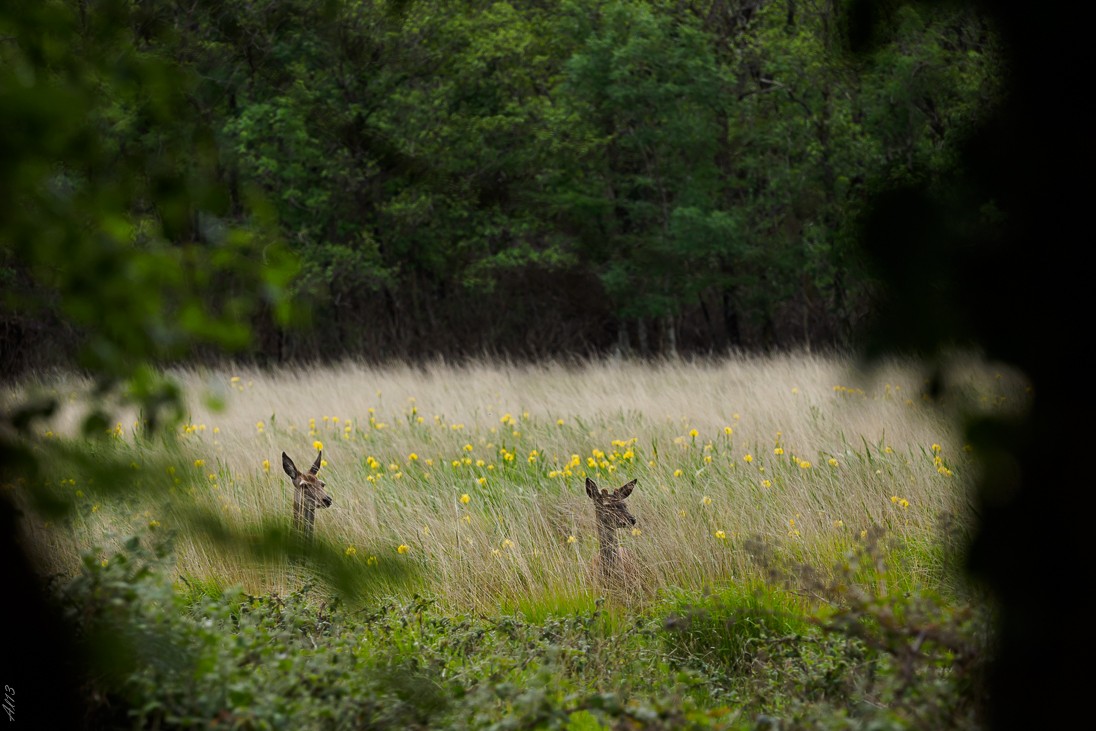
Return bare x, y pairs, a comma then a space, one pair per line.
187, 655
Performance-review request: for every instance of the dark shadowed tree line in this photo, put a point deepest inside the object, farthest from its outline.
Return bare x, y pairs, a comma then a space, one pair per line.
526, 179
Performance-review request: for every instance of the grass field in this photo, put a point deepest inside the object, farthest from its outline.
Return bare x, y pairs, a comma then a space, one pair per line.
472, 476
792, 565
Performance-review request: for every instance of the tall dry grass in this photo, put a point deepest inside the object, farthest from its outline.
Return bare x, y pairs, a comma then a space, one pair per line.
802, 452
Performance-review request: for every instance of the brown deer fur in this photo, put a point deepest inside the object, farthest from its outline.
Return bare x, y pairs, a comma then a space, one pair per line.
308, 494
614, 564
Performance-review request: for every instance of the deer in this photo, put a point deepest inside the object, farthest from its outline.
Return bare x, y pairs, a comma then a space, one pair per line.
611, 513
308, 494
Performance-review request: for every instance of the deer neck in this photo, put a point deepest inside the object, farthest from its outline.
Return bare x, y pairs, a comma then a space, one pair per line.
609, 549
304, 515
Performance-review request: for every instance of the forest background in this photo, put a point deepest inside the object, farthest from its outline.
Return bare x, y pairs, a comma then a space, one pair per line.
524, 179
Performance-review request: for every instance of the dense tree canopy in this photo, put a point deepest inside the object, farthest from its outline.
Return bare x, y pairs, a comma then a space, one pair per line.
465, 177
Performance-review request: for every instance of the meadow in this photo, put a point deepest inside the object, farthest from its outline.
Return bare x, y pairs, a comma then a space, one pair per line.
461, 488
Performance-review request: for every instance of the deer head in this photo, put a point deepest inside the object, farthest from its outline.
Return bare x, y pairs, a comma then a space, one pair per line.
308, 493
609, 507
611, 514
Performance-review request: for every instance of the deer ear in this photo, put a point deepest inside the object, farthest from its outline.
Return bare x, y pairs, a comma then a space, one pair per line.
591, 489
289, 467
626, 490
316, 464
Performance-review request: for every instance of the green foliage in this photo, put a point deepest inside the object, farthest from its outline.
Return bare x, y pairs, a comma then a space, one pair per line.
645, 87
723, 631
425, 164
903, 648
113, 220
208, 656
